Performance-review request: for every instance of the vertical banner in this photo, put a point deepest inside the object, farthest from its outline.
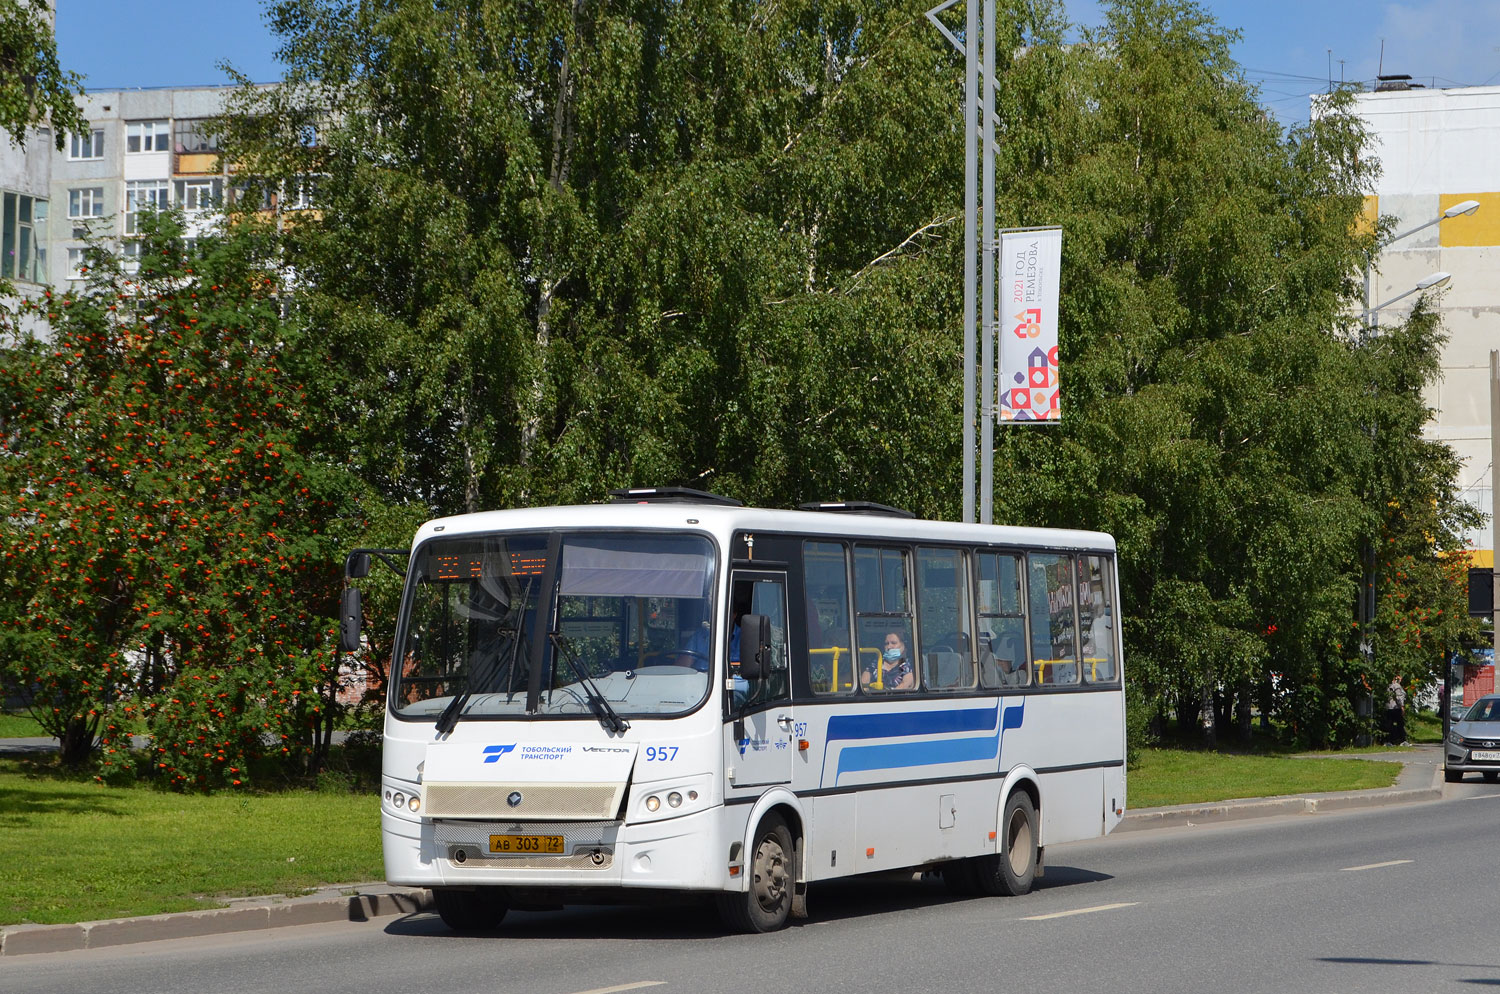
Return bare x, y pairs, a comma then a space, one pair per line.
1027, 271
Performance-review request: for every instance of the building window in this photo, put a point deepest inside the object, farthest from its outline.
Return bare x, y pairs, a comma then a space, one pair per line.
130, 251
193, 135
143, 194
23, 238
77, 264
301, 193
147, 136
199, 194
89, 146
85, 202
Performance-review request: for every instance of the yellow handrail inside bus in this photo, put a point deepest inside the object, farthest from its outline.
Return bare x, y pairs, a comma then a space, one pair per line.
835, 652
1091, 661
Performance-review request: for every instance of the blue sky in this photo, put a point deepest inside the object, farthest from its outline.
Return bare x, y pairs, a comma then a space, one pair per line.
1288, 47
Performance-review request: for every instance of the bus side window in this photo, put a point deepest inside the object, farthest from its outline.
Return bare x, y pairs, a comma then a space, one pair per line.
944, 646
883, 617
1003, 658
1054, 630
831, 665
1096, 620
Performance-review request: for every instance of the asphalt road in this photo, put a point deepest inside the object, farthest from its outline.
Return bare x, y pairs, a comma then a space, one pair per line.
1399, 898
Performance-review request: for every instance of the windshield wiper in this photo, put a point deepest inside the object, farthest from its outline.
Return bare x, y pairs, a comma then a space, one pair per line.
607, 715
455, 707
449, 717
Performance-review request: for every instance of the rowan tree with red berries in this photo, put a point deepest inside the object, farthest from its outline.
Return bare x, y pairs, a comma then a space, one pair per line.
170, 541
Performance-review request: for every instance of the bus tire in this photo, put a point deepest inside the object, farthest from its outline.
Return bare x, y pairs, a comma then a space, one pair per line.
767, 903
1012, 870
470, 910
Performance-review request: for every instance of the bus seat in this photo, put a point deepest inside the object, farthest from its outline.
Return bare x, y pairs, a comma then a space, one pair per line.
945, 669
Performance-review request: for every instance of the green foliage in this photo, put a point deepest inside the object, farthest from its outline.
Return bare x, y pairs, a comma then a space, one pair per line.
1222, 417
34, 88
566, 247
171, 551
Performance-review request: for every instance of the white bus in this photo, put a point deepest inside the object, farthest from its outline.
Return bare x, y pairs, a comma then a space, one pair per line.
676, 693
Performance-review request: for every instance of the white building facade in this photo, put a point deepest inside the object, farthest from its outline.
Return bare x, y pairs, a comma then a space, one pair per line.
1438, 149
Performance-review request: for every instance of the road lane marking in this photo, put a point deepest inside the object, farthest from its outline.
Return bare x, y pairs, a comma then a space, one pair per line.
1080, 911
1377, 866
625, 987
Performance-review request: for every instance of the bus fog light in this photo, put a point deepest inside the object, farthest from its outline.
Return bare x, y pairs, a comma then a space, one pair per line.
653, 802
674, 799
398, 799
692, 795
414, 804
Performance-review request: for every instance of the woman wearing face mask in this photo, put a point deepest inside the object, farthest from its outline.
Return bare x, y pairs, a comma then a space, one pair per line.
896, 672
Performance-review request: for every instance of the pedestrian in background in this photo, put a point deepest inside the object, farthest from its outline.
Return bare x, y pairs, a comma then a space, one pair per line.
1395, 712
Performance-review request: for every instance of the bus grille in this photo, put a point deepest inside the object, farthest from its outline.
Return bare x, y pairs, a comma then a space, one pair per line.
525, 801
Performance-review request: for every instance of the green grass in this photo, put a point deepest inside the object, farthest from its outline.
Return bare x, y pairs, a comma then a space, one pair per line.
19, 726
1424, 726
71, 850
1177, 776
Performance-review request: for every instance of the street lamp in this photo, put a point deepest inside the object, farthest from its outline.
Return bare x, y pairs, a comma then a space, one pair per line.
1463, 207
1432, 281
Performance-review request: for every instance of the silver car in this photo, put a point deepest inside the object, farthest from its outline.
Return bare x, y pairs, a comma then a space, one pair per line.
1474, 742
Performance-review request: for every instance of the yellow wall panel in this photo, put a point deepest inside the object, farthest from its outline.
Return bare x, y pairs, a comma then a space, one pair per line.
1480, 228
1368, 216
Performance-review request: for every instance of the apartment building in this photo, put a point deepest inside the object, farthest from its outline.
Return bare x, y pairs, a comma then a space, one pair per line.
146, 149
1439, 149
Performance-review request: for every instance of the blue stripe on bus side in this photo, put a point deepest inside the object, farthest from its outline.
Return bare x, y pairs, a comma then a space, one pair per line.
896, 724
900, 755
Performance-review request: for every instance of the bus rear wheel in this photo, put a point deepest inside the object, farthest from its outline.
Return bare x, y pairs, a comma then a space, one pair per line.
767, 903
470, 910
1012, 870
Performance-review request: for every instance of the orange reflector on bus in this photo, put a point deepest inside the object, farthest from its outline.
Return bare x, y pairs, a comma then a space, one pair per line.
803, 745
992, 836
734, 871
870, 853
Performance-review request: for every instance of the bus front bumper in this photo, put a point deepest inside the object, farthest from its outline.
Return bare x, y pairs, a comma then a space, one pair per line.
682, 853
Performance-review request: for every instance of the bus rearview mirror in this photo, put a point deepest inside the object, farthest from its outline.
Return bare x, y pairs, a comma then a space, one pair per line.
350, 610
755, 646
357, 566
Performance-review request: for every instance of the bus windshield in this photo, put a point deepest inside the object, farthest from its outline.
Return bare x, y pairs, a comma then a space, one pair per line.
627, 616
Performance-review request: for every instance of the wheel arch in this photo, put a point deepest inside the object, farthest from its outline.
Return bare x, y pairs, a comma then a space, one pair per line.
782, 802
1022, 778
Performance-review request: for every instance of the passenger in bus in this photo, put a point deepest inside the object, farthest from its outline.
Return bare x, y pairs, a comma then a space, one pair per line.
1012, 669
896, 671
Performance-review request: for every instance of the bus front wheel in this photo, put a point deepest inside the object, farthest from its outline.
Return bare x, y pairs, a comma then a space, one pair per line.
766, 905
470, 910
1012, 870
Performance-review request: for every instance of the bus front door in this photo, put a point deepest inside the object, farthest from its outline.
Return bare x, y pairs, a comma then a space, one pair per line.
762, 752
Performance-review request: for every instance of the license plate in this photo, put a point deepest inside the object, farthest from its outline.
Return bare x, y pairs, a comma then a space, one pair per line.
1486, 755
526, 843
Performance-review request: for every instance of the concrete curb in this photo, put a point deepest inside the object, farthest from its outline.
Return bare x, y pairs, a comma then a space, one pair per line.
355, 904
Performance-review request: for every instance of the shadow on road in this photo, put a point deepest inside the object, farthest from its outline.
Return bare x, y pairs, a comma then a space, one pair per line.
1382, 961
832, 901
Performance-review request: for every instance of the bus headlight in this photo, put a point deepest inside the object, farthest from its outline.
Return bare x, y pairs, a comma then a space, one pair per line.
653, 802
398, 799
414, 804
674, 799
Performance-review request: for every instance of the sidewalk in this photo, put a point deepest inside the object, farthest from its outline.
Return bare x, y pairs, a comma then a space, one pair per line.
1421, 779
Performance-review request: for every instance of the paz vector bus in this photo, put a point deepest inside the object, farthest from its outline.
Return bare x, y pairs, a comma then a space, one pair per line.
676, 693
